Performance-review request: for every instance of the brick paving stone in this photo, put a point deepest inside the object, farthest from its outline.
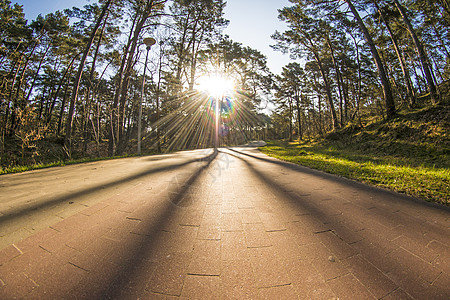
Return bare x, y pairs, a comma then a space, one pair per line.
9, 253
212, 212
255, 229
323, 260
418, 248
133, 282
193, 217
209, 230
374, 241
206, 258
375, 281
278, 292
67, 276
229, 208
169, 275
237, 280
256, 236
233, 246
406, 262
17, 285
263, 206
306, 280
155, 296
301, 234
244, 203
249, 216
17, 235
78, 222
438, 233
398, 294
312, 224
284, 244
340, 248
272, 222
442, 283
31, 260
231, 222
348, 287
346, 234
266, 267
96, 208
201, 287
438, 246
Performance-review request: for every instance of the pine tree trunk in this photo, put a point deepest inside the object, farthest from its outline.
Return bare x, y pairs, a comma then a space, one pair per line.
335, 122
409, 88
74, 96
299, 119
387, 91
338, 80
422, 54
128, 68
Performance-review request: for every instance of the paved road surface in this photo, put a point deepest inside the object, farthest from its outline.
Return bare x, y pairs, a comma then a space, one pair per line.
195, 225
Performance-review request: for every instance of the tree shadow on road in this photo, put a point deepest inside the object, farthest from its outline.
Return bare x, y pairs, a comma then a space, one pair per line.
398, 267
30, 209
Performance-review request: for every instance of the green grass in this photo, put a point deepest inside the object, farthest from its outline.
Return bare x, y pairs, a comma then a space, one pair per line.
18, 169
408, 176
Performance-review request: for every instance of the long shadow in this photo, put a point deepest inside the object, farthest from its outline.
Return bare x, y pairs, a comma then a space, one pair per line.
66, 198
143, 249
346, 181
323, 215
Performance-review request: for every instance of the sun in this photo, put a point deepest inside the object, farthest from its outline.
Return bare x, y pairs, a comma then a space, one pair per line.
215, 85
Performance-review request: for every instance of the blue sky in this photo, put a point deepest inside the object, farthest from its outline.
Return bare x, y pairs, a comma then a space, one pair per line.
251, 22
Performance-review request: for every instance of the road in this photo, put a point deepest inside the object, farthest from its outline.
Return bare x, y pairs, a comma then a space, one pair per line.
235, 224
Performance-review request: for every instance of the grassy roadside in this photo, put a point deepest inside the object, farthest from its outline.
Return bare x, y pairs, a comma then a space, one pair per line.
18, 169
429, 182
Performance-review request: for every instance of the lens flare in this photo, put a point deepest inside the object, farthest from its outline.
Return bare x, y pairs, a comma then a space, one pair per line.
215, 85
191, 122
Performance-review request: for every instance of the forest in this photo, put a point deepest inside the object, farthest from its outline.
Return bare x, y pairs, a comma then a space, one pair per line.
74, 83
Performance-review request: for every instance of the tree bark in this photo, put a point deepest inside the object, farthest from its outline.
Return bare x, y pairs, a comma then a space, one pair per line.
338, 79
74, 96
387, 91
409, 88
128, 68
113, 133
299, 119
422, 54
327, 90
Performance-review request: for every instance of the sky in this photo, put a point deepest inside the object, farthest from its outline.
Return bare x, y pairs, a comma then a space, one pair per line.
252, 22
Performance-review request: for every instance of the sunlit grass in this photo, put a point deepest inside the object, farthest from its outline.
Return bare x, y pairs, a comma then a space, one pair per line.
428, 182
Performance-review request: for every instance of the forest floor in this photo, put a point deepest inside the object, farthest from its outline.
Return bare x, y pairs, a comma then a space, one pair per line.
409, 154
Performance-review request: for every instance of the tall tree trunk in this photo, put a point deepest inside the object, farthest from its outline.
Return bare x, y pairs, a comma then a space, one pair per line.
14, 102
407, 78
128, 69
88, 94
55, 97
41, 61
299, 113
335, 122
74, 96
113, 132
290, 120
359, 89
338, 79
387, 91
422, 54
63, 106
